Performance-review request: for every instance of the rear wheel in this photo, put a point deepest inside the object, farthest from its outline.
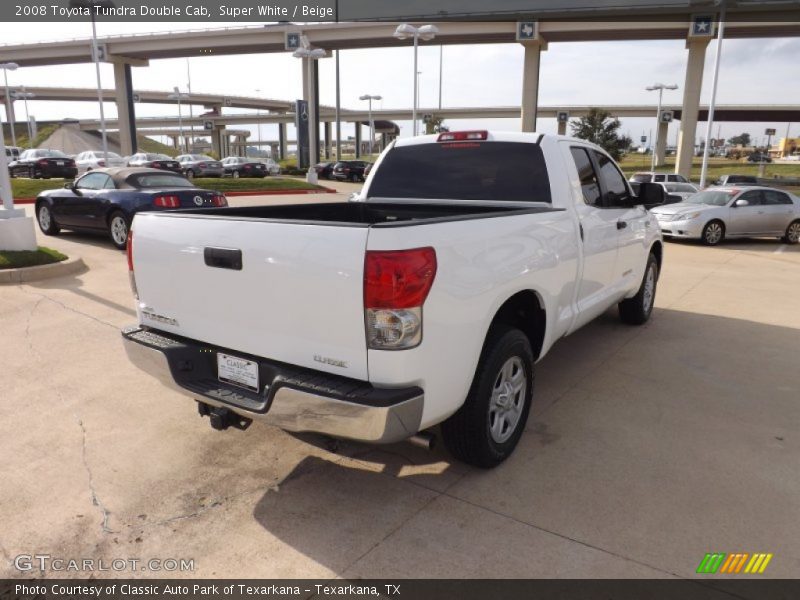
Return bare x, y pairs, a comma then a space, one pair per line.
792, 233
47, 223
637, 310
118, 229
487, 428
236, 175
31, 173
189, 174
713, 233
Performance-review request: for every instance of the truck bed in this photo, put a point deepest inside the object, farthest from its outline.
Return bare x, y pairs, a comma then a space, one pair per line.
361, 214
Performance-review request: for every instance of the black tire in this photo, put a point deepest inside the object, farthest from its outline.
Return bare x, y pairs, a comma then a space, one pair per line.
47, 223
792, 235
469, 434
713, 233
31, 173
236, 174
189, 174
637, 310
115, 229
354, 178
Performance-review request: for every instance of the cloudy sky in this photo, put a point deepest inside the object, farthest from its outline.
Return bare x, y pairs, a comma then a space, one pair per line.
752, 71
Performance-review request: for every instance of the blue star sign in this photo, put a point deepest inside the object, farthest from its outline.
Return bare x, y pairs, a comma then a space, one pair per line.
703, 26
526, 30
292, 41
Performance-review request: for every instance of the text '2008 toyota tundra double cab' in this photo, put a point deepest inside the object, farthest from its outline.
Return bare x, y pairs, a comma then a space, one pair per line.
428, 300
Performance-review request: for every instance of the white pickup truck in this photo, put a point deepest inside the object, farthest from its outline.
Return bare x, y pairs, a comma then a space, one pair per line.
425, 301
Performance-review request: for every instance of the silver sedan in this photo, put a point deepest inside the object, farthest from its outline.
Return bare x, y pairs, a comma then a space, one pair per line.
729, 212
200, 165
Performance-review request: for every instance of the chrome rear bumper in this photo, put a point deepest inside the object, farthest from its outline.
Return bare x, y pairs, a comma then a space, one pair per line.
288, 406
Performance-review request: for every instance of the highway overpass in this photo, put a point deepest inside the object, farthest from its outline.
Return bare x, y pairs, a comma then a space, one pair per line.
129, 51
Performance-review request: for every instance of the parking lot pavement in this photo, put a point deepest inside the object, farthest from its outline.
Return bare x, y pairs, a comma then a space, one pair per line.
647, 447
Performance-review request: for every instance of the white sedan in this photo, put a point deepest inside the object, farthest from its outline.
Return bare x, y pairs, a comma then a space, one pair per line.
728, 212
94, 159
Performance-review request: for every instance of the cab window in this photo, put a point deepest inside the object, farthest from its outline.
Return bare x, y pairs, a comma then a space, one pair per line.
590, 185
616, 190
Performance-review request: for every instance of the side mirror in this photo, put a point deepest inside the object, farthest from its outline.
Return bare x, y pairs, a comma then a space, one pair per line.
650, 195
69, 185
741, 202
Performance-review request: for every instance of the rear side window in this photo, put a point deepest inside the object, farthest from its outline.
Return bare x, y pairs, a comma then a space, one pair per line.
590, 186
772, 197
485, 171
159, 180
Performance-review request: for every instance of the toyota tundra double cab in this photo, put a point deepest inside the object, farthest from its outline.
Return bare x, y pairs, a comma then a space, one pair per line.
425, 301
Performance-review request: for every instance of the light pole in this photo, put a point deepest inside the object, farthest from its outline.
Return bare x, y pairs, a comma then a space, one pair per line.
178, 95
305, 51
93, 5
660, 87
425, 32
23, 95
712, 104
371, 122
258, 112
6, 68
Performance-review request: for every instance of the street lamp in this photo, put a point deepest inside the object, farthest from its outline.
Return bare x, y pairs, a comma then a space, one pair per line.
258, 146
371, 122
426, 32
306, 51
6, 68
23, 95
660, 87
93, 5
178, 95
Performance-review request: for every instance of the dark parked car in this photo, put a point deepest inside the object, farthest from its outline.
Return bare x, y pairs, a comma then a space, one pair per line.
155, 161
107, 199
43, 163
200, 165
350, 170
324, 170
240, 166
758, 157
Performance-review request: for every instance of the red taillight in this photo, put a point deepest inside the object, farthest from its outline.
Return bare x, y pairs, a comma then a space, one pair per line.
219, 200
167, 201
201, 166
398, 278
101, 163
462, 136
346, 169
129, 251
247, 167
42, 162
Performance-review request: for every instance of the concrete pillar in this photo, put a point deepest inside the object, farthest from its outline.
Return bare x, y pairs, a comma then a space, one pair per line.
661, 143
691, 105
282, 141
327, 140
358, 140
530, 85
562, 128
174, 139
218, 141
126, 113
274, 151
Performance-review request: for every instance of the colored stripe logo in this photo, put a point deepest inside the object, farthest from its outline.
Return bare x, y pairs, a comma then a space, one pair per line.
735, 563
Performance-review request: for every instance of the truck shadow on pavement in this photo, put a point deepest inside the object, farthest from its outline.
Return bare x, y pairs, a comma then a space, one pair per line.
635, 431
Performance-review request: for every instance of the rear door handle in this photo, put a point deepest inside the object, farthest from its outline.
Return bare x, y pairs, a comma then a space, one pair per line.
622, 224
223, 258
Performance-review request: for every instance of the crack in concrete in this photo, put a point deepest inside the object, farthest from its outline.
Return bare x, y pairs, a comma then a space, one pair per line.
93, 492
66, 307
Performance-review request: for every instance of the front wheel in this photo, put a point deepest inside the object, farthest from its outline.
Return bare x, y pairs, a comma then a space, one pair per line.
46, 221
487, 428
792, 233
713, 233
118, 230
637, 310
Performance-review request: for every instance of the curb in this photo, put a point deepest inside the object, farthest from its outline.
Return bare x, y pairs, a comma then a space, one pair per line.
42, 272
323, 190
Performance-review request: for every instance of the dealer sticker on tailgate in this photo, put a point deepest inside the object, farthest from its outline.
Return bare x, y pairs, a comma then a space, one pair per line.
238, 371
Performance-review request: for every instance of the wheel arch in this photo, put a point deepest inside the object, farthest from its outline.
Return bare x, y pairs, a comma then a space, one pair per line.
657, 250
524, 310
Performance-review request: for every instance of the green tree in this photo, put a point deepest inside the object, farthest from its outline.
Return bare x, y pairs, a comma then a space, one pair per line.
434, 124
600, 128
743, 139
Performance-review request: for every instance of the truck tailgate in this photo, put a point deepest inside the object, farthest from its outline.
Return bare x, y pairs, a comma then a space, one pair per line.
296, 297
